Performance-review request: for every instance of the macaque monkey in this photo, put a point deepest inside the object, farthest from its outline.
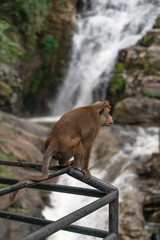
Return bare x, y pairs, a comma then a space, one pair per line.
73, 136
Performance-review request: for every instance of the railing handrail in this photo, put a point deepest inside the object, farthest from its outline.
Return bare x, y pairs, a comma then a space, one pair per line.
107, 194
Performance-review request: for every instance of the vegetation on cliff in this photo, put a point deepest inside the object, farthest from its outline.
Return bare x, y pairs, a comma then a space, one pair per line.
135, 84
26, 17
35, 40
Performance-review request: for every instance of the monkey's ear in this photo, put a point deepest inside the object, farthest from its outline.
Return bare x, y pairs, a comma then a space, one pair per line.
101, 111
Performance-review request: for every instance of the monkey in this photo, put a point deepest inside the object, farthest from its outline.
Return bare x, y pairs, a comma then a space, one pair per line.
73, 135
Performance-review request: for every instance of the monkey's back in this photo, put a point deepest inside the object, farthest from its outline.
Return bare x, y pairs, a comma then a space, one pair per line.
81, 121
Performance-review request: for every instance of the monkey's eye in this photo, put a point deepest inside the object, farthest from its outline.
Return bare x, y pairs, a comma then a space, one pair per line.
101, 111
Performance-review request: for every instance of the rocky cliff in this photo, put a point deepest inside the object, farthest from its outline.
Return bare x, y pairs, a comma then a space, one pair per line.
134, 90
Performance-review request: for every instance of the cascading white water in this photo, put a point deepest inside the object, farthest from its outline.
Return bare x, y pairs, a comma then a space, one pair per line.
103, 28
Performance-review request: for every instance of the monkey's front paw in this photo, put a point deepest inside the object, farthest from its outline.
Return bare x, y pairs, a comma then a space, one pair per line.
87, 175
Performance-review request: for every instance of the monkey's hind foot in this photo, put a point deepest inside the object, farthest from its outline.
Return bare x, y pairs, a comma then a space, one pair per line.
87, 175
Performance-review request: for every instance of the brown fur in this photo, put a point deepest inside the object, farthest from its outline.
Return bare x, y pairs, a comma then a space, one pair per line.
73, 136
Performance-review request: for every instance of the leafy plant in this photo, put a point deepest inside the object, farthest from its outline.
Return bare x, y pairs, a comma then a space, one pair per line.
120, 66
6, 88
28, 16
117, 83
37, 78
49, 44
148, 40
148, 93
42, 77
62, 2
143, 64
9, 50
158, 22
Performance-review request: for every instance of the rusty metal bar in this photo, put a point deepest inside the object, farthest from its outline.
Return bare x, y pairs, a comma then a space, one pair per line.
43, 222
59, 188
70, 218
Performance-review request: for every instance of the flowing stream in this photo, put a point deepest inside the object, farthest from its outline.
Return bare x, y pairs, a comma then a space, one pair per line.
104, 27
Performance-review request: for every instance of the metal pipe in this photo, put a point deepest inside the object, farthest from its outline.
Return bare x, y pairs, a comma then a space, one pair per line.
113, 216
70, 218
111, 236
94, 182
43, 222
29, 183
58, 188
36, 166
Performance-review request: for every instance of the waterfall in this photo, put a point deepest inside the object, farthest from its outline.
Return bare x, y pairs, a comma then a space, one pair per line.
104, 27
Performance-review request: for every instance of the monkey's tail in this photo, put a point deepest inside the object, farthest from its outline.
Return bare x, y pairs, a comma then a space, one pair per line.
45, 171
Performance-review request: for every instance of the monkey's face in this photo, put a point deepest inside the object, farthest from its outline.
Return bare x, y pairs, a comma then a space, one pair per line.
109, 120
103, 109
106, 117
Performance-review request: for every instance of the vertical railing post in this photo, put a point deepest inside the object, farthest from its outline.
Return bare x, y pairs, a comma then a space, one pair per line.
113, 216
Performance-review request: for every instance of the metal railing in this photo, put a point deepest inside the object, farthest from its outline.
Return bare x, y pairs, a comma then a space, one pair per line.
106, 194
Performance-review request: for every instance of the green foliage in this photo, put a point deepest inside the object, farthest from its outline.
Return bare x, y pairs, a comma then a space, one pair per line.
62, 2
42, 78
120, 66
117, 84
28, 16
148, 40
5, 89
9, 50
158, 22
143, 64
148, 93
37, 78
49, 44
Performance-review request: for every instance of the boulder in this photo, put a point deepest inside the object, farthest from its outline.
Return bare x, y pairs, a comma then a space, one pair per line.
137, 110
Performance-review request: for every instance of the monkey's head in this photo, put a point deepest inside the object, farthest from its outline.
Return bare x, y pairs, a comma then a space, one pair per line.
103, 109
